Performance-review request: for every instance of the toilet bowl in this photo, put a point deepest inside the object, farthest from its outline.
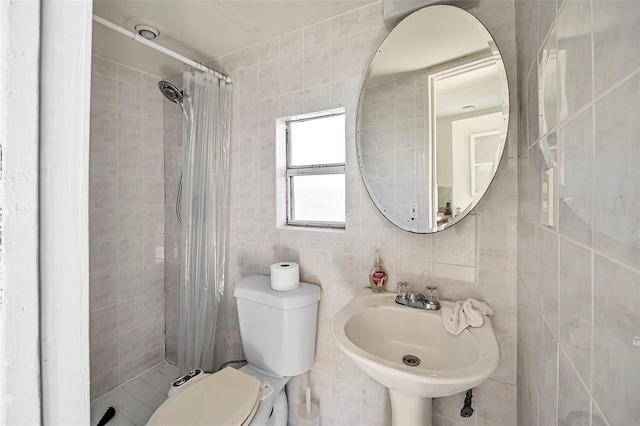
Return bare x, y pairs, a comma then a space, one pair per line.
278, 334
248, 396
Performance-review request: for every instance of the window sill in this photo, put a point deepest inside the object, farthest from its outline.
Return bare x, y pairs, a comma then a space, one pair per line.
312, 229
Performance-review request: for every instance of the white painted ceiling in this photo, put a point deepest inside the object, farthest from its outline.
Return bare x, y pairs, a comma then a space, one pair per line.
480, 88
203, 30
434, 35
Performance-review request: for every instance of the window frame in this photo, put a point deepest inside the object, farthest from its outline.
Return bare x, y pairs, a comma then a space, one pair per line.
310, 170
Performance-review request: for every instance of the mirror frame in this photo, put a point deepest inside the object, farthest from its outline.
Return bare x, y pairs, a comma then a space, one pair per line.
506, 110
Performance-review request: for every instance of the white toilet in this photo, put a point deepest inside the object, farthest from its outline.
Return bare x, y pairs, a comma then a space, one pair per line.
278, 333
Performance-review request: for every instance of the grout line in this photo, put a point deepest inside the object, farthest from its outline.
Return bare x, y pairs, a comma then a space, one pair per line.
614, 86
575, 371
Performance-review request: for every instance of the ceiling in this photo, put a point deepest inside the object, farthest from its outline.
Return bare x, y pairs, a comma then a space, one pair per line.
435, 35
203, 30
481, 88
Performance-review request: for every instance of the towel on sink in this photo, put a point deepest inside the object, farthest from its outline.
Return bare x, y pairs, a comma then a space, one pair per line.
460, 315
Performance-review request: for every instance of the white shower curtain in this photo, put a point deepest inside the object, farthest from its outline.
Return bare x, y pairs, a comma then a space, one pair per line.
205, 214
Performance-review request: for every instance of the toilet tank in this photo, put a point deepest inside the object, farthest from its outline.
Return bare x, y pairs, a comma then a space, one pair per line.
277, 328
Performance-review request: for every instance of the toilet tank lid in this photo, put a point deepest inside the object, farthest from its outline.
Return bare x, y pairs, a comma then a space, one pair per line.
257, 288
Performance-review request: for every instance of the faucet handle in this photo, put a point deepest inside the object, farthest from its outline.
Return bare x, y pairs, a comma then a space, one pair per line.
403, 288
432, 293
432, 298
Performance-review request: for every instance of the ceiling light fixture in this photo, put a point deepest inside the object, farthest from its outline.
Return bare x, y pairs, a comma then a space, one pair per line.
147, 31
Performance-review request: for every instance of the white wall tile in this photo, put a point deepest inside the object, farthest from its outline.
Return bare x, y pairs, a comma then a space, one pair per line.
103, 224
317, 98
575, 306
103, 128
595, 243
129, 99
130, 160
248, 84
494, 403
317, 34
575, 178
104, 323
129, 129
103, 92
317, 65
103, 258
575, 71
130, 222
291, 72
573, 399
616, 193
291, 42
130, 190
457, 245
268, 50
130, 314
103, 161
103, 290
152, 98
131, 283
102, 356
129, 75
615, 320
615, 42
152, 132
119, 224
269, 78
102, 66
103, 192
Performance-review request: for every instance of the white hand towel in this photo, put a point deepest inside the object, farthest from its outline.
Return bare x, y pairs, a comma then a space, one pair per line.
461, 315
453, 318
474, 310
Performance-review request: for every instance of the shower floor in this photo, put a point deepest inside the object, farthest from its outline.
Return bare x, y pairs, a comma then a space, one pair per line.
137, 399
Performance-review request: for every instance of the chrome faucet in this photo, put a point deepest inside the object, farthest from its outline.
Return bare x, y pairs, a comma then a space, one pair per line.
414, 299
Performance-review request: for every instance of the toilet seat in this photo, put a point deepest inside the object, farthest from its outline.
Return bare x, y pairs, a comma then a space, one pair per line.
228, 397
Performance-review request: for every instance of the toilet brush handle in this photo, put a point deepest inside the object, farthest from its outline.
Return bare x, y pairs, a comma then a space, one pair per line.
108, 415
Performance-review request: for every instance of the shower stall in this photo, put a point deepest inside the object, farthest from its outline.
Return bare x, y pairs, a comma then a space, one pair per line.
158, 222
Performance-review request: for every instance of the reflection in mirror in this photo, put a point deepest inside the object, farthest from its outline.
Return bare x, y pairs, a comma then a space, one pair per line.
432, 119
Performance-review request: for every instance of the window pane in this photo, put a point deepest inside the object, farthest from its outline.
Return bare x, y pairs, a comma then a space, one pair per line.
319, 198
317, 141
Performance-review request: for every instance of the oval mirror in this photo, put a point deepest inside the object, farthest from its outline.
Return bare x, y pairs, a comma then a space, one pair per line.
432, 119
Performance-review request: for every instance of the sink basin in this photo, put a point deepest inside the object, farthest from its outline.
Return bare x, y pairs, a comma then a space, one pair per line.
376, 333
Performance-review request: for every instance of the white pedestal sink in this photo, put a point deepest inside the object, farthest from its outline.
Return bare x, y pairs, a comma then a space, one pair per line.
376, 333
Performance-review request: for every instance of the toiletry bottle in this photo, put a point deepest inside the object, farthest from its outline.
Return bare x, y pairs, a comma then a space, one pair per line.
378, 277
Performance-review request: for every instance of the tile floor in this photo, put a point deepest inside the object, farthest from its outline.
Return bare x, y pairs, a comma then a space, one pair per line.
136, 400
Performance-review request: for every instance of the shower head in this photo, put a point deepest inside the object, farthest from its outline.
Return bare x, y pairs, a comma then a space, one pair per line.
170, 92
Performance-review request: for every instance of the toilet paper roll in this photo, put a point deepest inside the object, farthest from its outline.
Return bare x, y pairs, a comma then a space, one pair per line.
285, 276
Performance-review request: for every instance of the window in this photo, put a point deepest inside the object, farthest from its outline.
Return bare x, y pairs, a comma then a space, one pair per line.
315, 170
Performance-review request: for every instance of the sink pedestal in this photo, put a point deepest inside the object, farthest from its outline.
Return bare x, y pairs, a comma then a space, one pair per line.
409, 410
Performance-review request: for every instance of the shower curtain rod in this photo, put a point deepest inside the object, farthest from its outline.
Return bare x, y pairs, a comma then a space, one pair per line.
159, 48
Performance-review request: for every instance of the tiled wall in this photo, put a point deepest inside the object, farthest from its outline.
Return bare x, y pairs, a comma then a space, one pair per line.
579, 281
389, 114
321, 67
173, 142
126, 219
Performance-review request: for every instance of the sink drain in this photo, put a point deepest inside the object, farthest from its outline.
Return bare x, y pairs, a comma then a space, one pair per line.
411, 360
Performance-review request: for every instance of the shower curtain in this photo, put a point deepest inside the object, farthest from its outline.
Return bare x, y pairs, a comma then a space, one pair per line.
205, 210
